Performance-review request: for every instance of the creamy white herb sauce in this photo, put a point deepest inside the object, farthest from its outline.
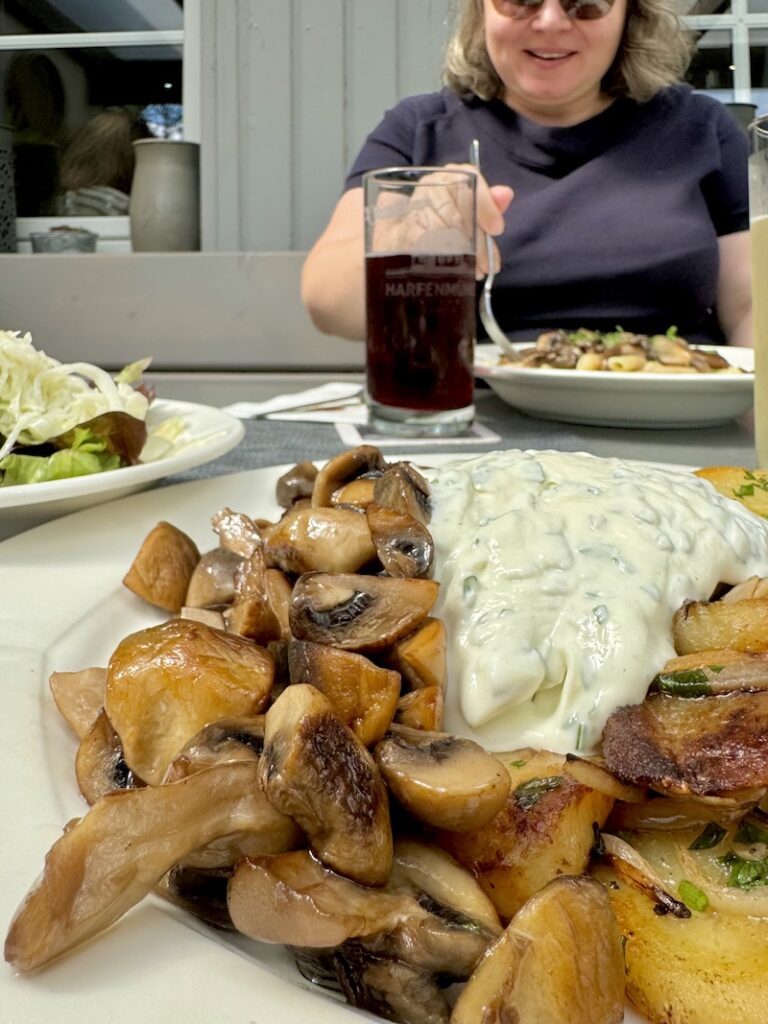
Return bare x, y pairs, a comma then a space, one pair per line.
560, 574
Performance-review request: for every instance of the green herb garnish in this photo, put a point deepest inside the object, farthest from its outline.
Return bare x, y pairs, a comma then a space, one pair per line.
692, 896
743, 873
528, 794
709, 837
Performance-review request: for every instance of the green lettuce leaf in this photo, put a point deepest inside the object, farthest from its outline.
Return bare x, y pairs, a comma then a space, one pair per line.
87, 455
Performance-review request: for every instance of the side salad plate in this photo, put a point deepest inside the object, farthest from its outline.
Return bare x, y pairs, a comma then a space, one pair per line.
194, 434
622, 398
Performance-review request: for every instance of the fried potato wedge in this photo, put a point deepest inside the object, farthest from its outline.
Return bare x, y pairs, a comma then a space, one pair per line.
544, 829
706, 969
560, 961
739, 625
748, 486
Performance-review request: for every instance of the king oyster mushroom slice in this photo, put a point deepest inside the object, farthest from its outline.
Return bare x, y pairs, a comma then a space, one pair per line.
213, 580
320, 539
390, 988
233, 739
404, 489
364, 695
111, 858
365, 460
100, 763
298, 482
404, 545
295, 900
316, 770
446, 781
560, 960
360, 613
166, 682
79, 696
161, 571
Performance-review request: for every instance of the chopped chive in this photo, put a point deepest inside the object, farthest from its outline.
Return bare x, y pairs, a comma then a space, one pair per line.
692, 896
529, 793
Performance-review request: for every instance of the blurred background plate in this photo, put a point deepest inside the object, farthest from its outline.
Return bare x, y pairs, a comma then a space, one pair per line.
207, 434
607, 398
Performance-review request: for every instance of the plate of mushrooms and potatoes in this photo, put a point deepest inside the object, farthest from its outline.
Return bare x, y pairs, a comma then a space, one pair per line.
266, 820
628, 380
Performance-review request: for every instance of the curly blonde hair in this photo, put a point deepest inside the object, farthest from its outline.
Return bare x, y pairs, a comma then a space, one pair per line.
655, 51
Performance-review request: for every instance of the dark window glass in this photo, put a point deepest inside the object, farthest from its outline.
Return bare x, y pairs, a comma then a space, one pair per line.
20, 17
75, 114
758, 66
712, 68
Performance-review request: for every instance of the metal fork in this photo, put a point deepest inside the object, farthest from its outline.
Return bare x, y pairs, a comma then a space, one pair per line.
485, 308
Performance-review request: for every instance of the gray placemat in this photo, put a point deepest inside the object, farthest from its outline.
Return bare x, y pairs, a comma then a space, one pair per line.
274, 442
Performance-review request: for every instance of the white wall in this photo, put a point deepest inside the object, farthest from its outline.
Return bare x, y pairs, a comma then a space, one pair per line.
289, 91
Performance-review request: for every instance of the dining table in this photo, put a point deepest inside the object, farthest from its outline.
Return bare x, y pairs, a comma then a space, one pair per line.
270, 442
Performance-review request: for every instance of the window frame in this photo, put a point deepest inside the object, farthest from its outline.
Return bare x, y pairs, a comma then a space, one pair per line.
117, 229
738, 21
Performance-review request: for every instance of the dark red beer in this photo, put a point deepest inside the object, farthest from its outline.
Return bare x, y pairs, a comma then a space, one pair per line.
421, 330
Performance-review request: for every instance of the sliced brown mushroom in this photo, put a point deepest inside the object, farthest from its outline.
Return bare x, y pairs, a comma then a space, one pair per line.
213, 581
110, 859
296, 483
404, 489
320, 539
316, 770
364, 696
237, 532
404, 545
235, 739
357, 494
79, 696
421, 657
161, 571
230, 739
200, 892
390, 988
344, 468
446, 781
166, 682
279, 591
358, 612
442, 885
100, 764
422, 709
208, 616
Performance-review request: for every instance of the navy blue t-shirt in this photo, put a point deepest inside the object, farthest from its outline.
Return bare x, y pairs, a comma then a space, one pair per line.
615, 220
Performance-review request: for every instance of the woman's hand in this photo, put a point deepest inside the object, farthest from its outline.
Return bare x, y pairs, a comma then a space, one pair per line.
436, 207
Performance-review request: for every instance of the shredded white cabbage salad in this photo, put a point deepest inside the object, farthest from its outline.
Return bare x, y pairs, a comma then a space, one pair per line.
41, 397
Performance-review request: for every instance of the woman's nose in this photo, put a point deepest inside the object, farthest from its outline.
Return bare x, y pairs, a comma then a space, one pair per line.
551, 15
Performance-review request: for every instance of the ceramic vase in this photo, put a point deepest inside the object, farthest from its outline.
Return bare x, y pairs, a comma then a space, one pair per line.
165, 196
7, 192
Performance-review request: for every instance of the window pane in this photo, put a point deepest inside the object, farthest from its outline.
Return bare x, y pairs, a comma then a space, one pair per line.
758, 66
705, 6
75, 114
712, 67
19, 17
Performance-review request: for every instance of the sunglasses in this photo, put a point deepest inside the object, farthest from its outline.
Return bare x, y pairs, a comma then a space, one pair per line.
576, 10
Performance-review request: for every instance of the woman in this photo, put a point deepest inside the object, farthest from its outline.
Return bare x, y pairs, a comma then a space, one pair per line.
97, 168
630, 190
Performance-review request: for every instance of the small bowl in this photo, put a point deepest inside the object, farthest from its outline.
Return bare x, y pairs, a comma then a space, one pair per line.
75, 240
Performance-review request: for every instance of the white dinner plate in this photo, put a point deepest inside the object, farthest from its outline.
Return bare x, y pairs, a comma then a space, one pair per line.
62, 607
608, 399
207, 434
